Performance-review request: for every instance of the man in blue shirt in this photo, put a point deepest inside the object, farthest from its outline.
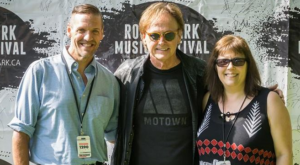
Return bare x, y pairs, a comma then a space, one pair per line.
67, 105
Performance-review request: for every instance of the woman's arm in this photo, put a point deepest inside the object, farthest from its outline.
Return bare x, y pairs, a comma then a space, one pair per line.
281, 129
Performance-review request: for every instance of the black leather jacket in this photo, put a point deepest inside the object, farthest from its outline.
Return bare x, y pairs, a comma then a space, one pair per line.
130, 75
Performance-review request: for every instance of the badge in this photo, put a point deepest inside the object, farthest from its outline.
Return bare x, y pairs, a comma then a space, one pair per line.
84, 146
227, 162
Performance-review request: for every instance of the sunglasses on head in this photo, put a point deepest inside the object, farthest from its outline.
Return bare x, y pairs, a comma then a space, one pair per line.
235, 61
169, 35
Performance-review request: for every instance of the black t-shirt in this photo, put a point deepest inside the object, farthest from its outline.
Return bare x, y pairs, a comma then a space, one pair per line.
162, 120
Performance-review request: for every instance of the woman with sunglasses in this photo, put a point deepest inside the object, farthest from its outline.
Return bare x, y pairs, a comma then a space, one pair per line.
244, 123
158, 119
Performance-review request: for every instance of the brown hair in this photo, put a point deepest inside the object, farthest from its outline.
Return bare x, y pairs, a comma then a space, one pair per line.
239, 46
87, 9
157, 9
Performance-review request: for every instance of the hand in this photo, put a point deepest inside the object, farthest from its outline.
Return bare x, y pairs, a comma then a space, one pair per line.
278, 91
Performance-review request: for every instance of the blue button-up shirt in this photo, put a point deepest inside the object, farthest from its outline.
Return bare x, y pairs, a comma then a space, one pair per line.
46, 110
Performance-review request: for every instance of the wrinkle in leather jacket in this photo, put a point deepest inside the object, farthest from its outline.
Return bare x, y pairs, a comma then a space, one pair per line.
130, 75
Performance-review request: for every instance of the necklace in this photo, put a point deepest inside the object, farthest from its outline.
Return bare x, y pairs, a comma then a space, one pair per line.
230, 116
235, 119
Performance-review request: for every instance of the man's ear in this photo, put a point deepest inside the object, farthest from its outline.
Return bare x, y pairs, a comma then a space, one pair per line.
102, 34
143, 36
180, 36
180, 33
143, 39
69, 29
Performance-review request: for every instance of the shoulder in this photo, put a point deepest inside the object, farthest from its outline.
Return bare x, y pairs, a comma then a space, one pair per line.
191, 63
192, 60
130, 64
104, 72
275, 106
103, 69
42, 69
273, 98
45, 63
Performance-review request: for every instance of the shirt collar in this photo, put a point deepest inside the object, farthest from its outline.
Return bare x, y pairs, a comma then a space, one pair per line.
70, 61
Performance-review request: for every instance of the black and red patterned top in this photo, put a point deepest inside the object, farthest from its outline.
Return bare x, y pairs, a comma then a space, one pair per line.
249, 141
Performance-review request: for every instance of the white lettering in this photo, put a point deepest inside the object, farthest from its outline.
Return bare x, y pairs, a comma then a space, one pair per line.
131, 31
22, 49
135, 49
205, 48
4, 33
176, 121
118, 47
165, 121
10, 62
11, 32
135, 32
191, 45
127, 31
194, 47
8, 47
199, 48
2, 49
168, 121
8, 32
184, 47
128, 47
195, 31
147, 121
15, 48
155, 121
187, 30
191, 31
215, 161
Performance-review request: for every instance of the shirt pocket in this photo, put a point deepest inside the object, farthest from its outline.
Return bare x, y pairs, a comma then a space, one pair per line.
102, 109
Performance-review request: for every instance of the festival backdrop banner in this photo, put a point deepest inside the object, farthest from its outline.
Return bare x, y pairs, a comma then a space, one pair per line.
30, 30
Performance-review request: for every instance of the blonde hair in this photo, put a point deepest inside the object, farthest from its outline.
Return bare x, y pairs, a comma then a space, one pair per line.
157, 9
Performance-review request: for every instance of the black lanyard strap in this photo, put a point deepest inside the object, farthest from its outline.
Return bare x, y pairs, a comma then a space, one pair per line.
74, 94
224, 118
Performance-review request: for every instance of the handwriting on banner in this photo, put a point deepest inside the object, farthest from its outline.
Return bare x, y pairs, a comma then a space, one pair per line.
8, 43
190, 44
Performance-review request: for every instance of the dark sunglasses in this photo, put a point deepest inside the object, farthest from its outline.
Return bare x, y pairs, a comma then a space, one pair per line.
235, 62
169, 35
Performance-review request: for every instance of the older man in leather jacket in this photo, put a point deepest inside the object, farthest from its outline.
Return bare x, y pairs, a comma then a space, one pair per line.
161, 95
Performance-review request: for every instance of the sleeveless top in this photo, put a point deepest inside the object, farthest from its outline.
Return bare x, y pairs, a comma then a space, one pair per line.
249, 141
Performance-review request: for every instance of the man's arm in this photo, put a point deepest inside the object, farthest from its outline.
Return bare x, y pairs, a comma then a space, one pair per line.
20, 142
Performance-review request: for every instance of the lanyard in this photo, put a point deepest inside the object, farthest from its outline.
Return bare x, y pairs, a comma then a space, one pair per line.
74, 94
224, 118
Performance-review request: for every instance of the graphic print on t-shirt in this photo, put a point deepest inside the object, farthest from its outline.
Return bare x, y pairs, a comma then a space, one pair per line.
162, 121
164, 99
